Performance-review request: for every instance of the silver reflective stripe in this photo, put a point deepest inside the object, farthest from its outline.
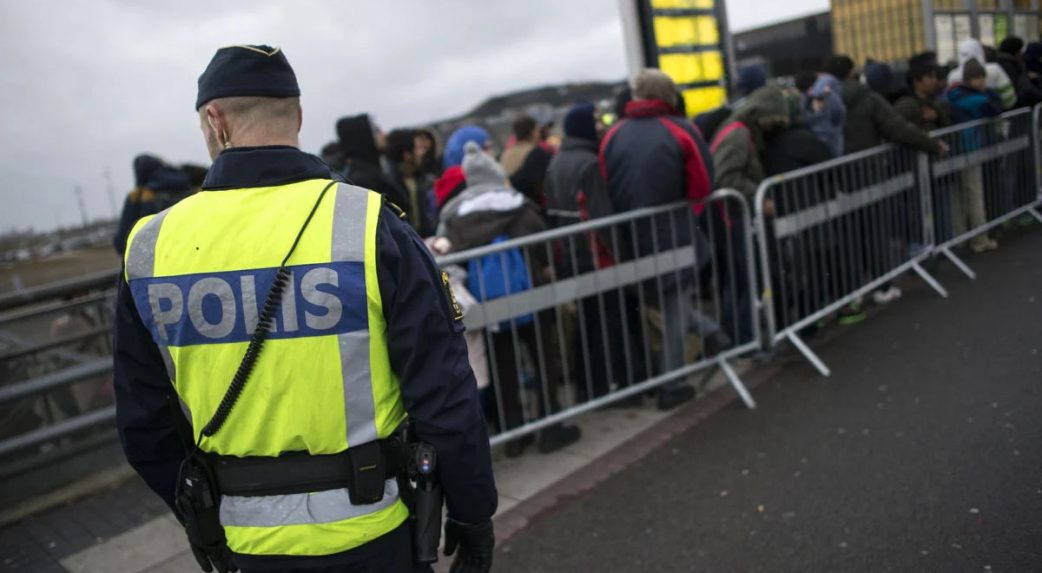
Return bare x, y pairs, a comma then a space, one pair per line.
358, 388
141, 261
349, 222
141, 264
349, 213
299, 508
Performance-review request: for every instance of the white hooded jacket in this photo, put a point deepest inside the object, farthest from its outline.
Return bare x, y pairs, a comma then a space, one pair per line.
971, 49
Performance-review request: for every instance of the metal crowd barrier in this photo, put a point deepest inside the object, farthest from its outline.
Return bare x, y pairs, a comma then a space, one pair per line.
576, 318
988, 179
833, 233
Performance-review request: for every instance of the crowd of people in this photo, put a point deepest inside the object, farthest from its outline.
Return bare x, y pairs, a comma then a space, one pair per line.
466, 193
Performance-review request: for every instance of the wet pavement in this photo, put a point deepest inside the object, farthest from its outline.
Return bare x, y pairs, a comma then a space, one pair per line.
922, 452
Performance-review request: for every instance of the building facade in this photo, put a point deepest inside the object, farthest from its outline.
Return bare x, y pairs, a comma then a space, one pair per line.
786, 48
892, 30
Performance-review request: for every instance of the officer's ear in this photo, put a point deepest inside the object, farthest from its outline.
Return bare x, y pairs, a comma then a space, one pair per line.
218, 123
300, 117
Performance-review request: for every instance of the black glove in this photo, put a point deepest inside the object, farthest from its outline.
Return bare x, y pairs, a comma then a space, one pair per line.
475, 543
214, 558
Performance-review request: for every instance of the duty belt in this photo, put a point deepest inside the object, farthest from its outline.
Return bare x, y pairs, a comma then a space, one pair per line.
301, 472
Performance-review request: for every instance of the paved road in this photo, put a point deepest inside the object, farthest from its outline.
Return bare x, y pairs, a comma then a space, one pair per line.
922, 452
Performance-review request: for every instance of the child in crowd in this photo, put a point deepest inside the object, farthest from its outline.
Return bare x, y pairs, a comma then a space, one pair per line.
972, 100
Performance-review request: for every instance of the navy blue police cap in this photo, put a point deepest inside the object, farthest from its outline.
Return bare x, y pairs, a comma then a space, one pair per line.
258, 71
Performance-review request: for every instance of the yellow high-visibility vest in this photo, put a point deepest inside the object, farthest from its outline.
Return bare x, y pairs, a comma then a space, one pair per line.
199, 273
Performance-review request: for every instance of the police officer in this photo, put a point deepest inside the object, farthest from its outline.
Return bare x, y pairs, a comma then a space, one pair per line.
289, 325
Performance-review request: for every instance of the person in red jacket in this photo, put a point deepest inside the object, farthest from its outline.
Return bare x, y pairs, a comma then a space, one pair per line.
655, 157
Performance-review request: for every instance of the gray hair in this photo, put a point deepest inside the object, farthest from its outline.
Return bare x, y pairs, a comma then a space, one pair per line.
652, 83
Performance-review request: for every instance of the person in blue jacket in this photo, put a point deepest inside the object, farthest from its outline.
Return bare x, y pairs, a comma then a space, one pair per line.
972, 100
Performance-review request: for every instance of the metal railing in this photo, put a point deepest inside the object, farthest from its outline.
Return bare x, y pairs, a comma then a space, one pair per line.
988, 179
835, 232
607, 309
832, 233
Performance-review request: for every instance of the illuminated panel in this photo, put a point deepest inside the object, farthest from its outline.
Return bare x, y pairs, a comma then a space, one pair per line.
693, 68
703, 98
692, 31
682, 4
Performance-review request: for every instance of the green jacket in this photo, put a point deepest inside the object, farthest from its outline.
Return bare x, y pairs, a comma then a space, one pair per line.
736, 148
872, 121
913, 108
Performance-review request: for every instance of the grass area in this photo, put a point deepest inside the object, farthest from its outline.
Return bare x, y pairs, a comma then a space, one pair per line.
58, 267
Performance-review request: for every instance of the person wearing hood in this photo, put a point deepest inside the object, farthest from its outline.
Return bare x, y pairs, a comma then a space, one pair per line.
1032, 79
489, 210
750, 79
824, 113
403, 168
157, 186
736, 154
997, 79
360, 144
451, 182
871, 121
737, 146
1013, 59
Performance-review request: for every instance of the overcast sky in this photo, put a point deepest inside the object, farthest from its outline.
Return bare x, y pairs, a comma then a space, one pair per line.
88, 85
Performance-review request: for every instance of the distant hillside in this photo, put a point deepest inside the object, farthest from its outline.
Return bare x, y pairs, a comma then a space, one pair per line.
497, 113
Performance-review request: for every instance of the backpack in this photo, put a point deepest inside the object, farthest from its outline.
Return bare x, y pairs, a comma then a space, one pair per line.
497, 275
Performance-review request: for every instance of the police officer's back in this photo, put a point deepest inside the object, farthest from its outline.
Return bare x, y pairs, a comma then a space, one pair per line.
291, 325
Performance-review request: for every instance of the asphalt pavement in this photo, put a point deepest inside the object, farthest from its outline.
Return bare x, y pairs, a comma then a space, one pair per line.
922, 452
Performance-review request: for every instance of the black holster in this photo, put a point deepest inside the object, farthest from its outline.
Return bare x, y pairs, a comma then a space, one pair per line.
427, 500
198, 503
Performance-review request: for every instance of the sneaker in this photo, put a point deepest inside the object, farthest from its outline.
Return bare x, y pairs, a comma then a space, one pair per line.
557, 437
672, 396
983, 245
517, 447
886, 296
852, 314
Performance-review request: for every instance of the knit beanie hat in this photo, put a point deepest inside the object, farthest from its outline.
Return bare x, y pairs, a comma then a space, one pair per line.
751, 78
479, 168
1033, 57
580, 123
973, 70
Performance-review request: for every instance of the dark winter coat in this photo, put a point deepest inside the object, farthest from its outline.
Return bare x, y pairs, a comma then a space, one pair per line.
739, 141
871, 121
530, 177
792, 149
573, 171
363, 159
416, 186
654, 157
914, 109
158, 187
